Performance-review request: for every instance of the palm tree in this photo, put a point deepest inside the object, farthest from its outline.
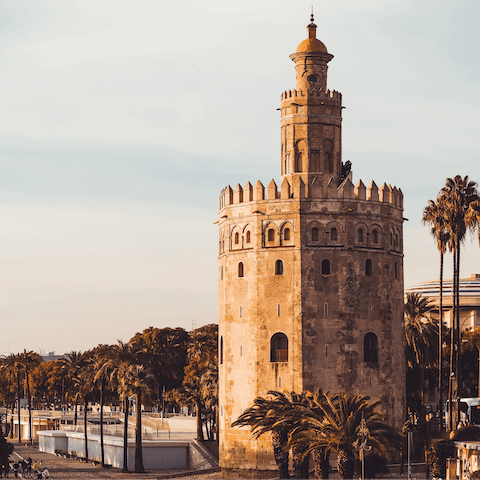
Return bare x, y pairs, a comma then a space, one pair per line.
434, 215
83, 383
29, 360
456, 196
421, 336
334, 424
262, 417
71, 366
8, 367
102, 373
122, 358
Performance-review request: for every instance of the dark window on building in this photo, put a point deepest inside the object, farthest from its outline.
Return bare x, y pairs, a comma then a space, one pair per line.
221, 272
286, 234
396, 240
271, 235
325, 267
314, 234
240, 270
391, 239
370, 348
248, 236
236, 238
278, 267
396, 271
279, 348
368, 268
360, 235
221, 350
375, 236
333, 234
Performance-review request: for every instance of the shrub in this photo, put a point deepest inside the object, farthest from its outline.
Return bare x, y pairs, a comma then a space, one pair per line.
437, 455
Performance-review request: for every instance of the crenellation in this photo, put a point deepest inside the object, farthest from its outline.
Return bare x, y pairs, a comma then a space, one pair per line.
248, 192
272, 190
346, 190
285, 189
360, 191
372, 192
384, 193
238, 194
258, 191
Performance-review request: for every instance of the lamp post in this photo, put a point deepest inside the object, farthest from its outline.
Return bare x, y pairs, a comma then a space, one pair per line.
361, 443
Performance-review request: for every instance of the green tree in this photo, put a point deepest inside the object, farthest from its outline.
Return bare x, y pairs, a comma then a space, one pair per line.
202, 352
166, 353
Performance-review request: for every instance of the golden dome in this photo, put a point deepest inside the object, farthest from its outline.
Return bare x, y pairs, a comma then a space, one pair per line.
311, 45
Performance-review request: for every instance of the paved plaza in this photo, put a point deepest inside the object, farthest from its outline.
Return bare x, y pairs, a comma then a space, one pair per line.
62, 468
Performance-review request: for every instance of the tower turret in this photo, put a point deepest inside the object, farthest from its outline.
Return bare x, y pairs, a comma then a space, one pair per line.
311, 119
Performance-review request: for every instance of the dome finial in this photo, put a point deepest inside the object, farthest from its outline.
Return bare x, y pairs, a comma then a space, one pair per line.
311, 16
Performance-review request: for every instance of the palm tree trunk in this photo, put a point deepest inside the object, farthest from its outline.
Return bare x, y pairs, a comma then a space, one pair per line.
452, 350
29, 406
75, 417
85, 428
102, 446
18, 408
125, 434
12, 414
198, 409
300, 462
459, 333
440, 345
280, 453
345, 463
138, 433
321, 461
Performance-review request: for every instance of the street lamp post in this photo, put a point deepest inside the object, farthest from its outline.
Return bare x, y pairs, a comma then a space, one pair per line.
361, 443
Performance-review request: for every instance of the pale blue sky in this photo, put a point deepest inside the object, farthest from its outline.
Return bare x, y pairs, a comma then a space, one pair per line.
122, 121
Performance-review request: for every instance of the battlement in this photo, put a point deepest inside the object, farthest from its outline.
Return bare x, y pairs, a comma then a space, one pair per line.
327, 94
345, 191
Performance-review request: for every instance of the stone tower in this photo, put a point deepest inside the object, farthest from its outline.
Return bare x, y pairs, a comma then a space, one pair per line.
310, 273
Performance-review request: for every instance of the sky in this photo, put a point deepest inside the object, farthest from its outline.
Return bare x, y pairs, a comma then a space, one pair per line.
122, 121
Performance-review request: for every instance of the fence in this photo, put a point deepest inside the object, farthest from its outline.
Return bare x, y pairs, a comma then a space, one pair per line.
147, 434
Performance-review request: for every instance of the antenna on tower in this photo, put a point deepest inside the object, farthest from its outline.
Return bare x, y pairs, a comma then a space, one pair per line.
311, 16
194, 325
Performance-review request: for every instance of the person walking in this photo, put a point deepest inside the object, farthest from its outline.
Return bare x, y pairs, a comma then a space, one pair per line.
35, 468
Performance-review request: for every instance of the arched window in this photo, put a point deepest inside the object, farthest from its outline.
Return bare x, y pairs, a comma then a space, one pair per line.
360, 235
221, 272
237, 238
286, 234
391, 239
396, 271
333, 234
221, 350
279, 348
396, 240
248, 236
325, 267
278, 267
370, 348
368, 268
375, 236
271, 235
314, 234
240, 270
